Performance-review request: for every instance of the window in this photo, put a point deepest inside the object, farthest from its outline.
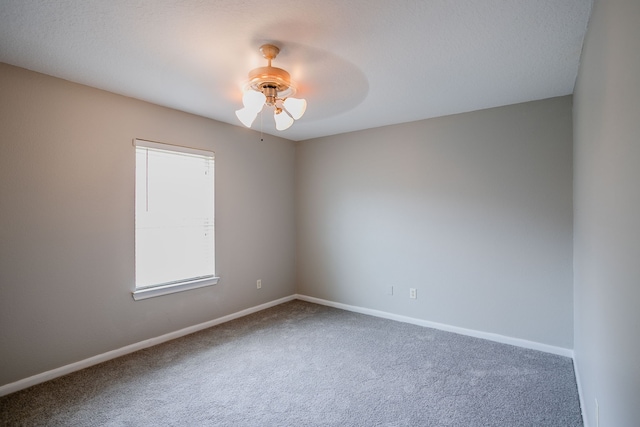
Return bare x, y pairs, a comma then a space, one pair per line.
174, 227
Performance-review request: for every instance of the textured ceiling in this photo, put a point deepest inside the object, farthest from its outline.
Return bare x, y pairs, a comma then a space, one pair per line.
359, 63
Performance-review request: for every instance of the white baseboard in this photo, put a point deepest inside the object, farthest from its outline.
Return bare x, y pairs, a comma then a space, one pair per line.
67, 369
448, 328
583, 408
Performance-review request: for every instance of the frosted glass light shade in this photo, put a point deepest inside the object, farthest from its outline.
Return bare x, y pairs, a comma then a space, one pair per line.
247, 116
283, 120
296, 107
253, 100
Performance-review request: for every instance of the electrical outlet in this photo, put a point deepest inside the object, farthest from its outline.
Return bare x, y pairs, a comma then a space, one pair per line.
413, 293
259, 284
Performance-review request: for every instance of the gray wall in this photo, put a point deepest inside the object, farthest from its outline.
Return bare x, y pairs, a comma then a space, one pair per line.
67, 218
473, 210
607, 215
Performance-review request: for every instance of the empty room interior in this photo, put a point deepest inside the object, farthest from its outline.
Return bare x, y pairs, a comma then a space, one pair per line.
465, 171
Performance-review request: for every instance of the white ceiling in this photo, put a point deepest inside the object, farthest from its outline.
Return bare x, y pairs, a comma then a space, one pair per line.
359, 63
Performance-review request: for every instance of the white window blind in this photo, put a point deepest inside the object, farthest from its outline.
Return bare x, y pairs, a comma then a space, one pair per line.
174, 223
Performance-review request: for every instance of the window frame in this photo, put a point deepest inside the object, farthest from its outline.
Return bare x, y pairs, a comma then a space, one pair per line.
183, 285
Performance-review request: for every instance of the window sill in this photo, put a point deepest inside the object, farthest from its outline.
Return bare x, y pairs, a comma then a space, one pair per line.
173, 288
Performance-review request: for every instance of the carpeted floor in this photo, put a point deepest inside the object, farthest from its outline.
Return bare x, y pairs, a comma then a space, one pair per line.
301, 364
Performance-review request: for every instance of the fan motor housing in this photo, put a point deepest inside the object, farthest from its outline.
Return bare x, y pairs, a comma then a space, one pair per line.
262, 77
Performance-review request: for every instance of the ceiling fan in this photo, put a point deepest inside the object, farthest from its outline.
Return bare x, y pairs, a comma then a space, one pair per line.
272, 87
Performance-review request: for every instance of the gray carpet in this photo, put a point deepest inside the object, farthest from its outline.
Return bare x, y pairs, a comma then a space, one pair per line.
301, 364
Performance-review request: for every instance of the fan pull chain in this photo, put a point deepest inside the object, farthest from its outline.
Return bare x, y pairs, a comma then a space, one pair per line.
261, 121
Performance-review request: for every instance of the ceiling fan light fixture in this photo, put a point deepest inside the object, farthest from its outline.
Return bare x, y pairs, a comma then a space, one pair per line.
253, 100
295, 106
283, 120
247, 116
271, 86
